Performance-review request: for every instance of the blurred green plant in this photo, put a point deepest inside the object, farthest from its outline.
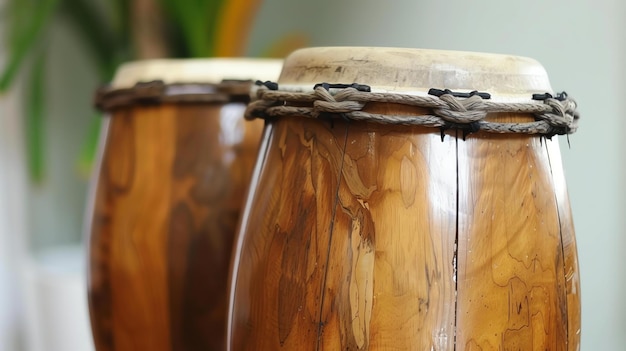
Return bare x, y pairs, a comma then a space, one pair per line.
112, 31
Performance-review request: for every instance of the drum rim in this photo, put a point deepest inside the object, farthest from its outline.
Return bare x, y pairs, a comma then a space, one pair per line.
196, 80
156, 92
406, 70
195, 70
458, 89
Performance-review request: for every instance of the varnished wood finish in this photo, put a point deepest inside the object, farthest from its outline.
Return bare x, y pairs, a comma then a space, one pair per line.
317, 273
358, 236
570, 253
171, 183
511, 285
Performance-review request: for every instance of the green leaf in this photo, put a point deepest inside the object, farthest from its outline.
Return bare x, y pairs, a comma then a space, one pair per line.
96, 33
196, 20
27, 31
212, 13
34, 124
121, 19
90, 147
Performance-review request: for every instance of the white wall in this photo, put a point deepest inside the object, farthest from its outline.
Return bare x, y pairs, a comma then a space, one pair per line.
12, 221
53, 273
56, 206
582, 46
38, 291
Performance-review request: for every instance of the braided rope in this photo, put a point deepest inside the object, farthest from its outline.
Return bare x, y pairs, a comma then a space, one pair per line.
155, 92
552, 115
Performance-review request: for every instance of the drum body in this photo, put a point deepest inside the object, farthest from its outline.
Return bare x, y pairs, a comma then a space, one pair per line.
168, 192
363, 236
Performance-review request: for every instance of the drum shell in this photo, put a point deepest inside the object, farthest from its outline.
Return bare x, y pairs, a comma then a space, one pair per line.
376, 237
171, 181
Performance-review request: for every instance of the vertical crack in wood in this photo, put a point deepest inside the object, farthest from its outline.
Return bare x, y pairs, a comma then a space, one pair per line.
456, 240
320, 324
558, 216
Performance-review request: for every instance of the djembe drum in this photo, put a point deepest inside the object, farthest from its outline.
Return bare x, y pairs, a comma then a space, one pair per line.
176, 160
407, 199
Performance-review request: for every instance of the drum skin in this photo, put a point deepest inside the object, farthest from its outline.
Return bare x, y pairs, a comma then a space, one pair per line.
362, 236
169, 192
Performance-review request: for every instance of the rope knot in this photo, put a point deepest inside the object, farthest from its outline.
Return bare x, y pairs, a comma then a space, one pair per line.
263, 101
339, 103
562, 114
460, 111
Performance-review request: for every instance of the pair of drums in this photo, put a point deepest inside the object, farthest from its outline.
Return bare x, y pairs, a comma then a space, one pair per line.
355, 235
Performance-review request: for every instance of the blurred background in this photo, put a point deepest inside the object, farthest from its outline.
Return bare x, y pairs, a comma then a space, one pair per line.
55, 53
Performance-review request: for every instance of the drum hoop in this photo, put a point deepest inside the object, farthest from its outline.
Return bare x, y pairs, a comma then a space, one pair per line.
466, 111
157, 92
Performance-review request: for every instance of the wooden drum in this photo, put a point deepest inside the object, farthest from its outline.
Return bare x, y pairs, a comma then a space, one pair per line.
175, 161
386, 215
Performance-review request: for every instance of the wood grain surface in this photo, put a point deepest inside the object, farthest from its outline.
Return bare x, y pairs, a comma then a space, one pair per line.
511, 285
570, 252
328, 264
356, 240
169, 192
362, 236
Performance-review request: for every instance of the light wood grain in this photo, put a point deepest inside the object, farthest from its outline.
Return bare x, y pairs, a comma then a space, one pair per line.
511, 286
273, 310
389, 278
362, 236
570, 252
328, 264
